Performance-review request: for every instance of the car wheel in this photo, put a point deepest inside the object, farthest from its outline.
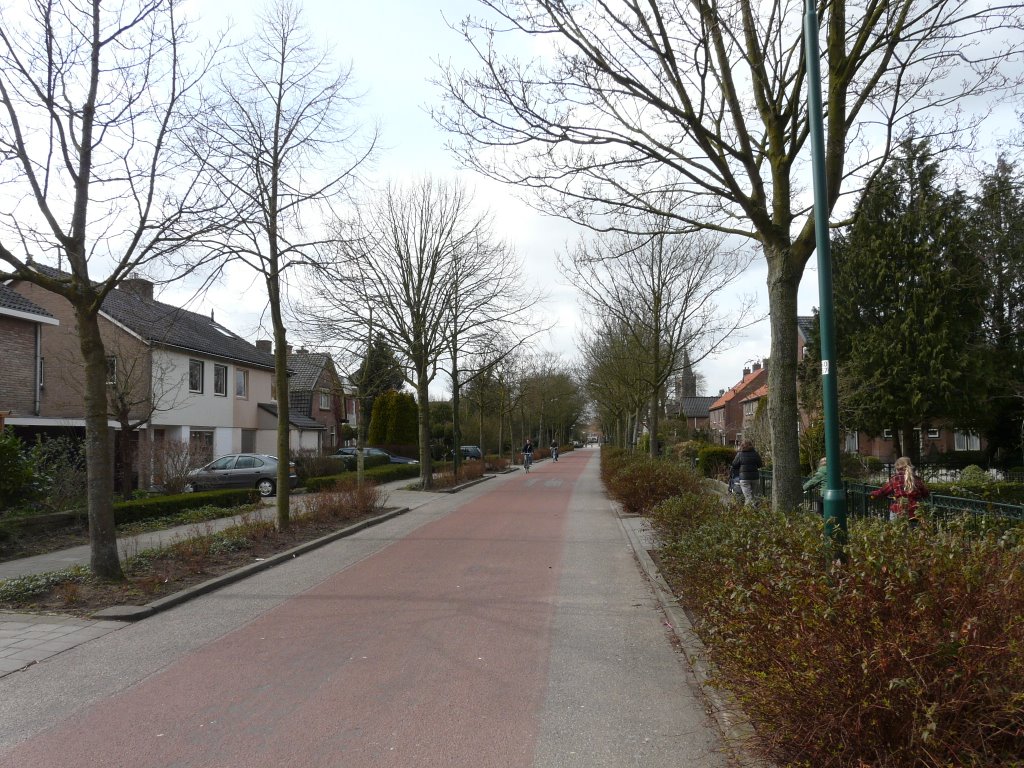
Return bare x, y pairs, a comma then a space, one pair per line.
189, 488
265, 487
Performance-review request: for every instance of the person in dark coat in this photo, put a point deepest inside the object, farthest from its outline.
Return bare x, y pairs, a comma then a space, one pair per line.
746, 465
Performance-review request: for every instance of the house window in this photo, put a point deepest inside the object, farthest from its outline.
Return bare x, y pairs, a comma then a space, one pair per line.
887, 434
111, 370
966, 441
248, 441
933, 433
852, 442
748, 408
220, 380
241, 383
200, 445
195, 376
325, 400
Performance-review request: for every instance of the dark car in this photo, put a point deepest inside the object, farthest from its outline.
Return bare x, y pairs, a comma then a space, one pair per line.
349, 455
240, 470
471, 452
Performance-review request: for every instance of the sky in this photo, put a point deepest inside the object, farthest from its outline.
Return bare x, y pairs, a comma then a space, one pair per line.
392, 46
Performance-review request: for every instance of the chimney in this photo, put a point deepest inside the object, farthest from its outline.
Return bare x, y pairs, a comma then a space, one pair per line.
264, 345
302, 351
746, 371
288, 348
756, 366
138, 286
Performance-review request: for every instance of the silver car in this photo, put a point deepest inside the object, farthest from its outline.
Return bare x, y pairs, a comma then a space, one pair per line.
240, 470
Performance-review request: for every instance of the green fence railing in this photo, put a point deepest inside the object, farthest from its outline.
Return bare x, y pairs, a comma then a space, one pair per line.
860, 504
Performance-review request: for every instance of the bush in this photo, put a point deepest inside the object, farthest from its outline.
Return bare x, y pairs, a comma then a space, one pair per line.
61, 463
715, 460
640, 485
910, 654
19, 482
349, 503
310, 463
165, 506
382, 474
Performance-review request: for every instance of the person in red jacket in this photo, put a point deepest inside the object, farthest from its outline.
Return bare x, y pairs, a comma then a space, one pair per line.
905, 488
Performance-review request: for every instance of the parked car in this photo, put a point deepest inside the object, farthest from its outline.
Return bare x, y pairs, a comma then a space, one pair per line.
349, 455
471, 452
240, 470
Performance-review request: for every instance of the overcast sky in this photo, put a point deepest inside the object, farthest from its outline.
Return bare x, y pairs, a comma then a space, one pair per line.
392, 45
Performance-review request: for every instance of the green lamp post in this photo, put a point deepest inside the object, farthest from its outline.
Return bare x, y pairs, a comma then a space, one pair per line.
834, 497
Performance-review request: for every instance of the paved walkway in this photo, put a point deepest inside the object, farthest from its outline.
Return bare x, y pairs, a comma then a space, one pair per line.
28, 638
507, 625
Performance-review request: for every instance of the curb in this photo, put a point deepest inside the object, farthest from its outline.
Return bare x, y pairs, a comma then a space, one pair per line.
137, 612
464, 486
728, 715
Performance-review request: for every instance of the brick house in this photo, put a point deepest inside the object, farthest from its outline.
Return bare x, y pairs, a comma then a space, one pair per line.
726, 414
191, 380
933, 439
22, 373
315, 391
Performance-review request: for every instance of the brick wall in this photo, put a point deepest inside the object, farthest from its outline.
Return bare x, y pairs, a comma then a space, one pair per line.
17, 373
62, 395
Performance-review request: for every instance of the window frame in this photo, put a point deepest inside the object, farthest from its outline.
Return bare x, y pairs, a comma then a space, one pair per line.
242, 377
968, 439
192, 362
217, 368
325, 400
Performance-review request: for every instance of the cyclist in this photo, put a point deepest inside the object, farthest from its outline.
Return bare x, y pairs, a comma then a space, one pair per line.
527, 454
554, 450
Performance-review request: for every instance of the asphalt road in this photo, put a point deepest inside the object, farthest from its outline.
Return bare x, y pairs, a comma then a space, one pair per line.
506, 625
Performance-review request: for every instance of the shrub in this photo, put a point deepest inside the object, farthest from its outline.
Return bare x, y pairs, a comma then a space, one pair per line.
468, 470
715, 460
349, 503
165, 506
310, 463
640, 485
495, 463
18, 480
909, 654
972, 474
382, 474
61, 464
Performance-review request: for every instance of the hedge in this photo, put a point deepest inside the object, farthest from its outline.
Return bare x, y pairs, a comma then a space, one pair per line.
383, 474
714, 460
165, 506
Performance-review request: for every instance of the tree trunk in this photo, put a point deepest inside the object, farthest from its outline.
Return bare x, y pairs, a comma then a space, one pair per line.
423, 395
654, 424
783, 283
283, 415
456, 426
103, 557
125, 452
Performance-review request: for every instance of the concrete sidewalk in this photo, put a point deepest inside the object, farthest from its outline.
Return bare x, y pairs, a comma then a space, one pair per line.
28, 638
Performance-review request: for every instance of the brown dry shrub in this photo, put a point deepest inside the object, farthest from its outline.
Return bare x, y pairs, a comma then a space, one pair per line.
911, 654
345, 501
641, 484
468, 471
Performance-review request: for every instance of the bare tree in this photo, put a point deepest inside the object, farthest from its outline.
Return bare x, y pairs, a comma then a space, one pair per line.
397, 260
613, 380
707, 101
661, 290
489, 314
283, 149
94, 97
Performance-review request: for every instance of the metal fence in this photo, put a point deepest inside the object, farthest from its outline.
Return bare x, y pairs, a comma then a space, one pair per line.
860, 504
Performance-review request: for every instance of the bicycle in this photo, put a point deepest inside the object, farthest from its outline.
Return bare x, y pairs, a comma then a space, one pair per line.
527, 461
